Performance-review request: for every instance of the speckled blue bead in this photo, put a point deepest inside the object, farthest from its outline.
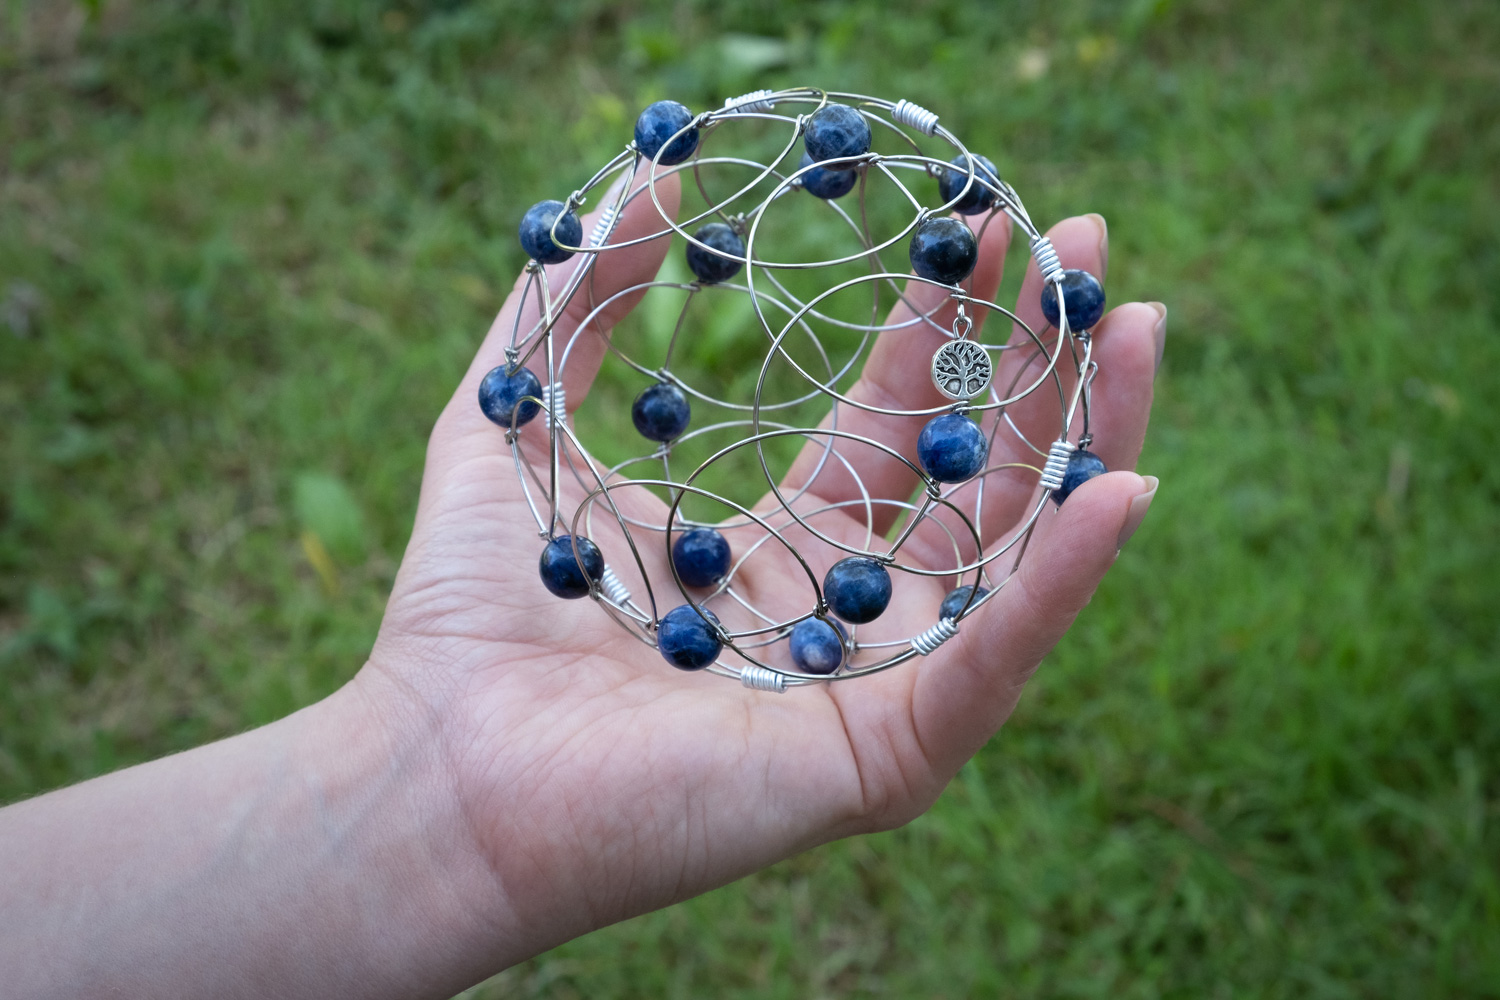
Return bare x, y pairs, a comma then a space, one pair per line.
821, 182
944, 250
658, 123
835, 131
858, 589
686, 641
559, 567
817, 646
957, 598
1083, 466
710, 267
978, 198
701, 557
536, 232
501, 393
1085, 298
661, 413
952, 448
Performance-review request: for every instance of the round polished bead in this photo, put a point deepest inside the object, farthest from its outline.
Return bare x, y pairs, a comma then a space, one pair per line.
701, 557
687, 641
978, 198
536, 232
817, 646
944, 250
858, 589
836, 131
1082, 466
821, 182
658, 123
560, 569
1084, 296
958, 598
952, 448
709, 266
661, 413
502, 396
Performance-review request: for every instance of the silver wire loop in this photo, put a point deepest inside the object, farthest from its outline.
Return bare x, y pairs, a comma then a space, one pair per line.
556, 398
928, 642
755, 101
1047, 261
1057, 464
611, 587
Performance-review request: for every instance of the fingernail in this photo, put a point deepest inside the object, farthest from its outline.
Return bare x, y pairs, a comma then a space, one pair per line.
1159, 332
1137, 512
1103, 240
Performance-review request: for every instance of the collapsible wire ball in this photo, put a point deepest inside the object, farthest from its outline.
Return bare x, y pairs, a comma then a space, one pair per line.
734, 523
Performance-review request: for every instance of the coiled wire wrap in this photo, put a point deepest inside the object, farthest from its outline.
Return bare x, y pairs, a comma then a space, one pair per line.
557, 403
1047, 261
612, 588
945, 629
603, 227
1057, 464
916, 116
753, 101
763, 679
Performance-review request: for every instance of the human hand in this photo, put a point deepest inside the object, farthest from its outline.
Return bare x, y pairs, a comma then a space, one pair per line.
594, 781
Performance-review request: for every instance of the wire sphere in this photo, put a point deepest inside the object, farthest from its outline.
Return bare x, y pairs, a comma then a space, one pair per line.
604, 525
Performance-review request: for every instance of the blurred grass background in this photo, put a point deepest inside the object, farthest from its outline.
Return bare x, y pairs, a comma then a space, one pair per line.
246, 250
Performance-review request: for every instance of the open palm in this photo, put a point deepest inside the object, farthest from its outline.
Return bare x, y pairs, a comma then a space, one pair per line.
596, 781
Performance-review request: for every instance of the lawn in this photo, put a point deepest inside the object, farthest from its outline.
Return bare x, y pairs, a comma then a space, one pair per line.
246, 250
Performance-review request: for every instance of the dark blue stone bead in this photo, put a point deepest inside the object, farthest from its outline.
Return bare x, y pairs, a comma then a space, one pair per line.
1084, 296
661, 413
944, 250
958, 598
501, 393
952, 448
827, 184
818, 646
536, 232
560, 570
1083, 466
978, 198
709, 266
858, 589
835, 131
658, 123
686, 641
701, 557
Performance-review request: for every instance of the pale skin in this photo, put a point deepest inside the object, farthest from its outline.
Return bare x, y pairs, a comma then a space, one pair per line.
509, 770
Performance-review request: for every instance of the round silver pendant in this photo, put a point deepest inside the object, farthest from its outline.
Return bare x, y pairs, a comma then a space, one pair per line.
961, 369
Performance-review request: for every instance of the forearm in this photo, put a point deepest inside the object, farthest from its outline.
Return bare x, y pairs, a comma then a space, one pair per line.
322, 856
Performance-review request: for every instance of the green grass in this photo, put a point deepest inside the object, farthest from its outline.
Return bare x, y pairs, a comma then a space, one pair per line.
247, 249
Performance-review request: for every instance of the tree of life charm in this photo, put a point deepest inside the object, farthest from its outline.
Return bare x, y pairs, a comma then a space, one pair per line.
961, 369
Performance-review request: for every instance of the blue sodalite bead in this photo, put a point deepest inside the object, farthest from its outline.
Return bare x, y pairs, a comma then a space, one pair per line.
560, 570
978, 198
858, 589
501, 395
701, 557
661, 413
658, 123
827, 184
686, 641
817, 646
1085, 298
944, 250
959, 597
708, 266
952, 448
1082, 466
536, 232
835, 131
